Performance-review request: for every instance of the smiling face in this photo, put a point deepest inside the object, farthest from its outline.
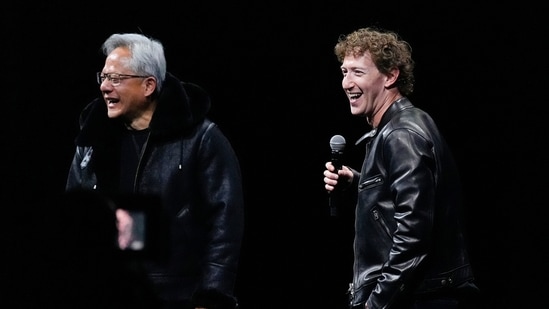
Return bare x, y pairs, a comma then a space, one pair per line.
367, 89
131, 98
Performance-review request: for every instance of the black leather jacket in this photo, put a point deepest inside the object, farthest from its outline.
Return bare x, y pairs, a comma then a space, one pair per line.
409, 241
191, 167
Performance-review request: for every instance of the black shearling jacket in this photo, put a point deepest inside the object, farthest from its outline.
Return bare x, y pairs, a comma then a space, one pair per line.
190, 166
409, 241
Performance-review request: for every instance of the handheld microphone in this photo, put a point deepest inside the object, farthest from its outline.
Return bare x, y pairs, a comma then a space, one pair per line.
337, 144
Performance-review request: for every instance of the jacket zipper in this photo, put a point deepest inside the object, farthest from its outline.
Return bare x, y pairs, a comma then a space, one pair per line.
140, 159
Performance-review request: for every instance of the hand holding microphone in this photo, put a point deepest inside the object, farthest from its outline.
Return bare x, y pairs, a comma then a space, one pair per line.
337, 144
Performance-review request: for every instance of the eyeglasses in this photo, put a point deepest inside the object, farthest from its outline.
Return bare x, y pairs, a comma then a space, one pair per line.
115, 78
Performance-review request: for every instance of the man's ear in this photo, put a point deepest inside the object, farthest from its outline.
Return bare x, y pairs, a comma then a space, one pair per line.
391, 78
150, 85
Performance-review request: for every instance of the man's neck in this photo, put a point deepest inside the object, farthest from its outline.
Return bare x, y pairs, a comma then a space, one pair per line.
387, 101
143, 120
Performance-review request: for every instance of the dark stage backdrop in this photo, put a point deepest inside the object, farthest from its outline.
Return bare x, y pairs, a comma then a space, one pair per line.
276, 93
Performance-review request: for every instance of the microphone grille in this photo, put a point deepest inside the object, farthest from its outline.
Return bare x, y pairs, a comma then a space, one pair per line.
337, 143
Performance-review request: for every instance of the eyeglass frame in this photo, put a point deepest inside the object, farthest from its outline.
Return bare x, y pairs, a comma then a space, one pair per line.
119, 77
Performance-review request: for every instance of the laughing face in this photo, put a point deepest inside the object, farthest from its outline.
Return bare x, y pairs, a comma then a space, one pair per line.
367, 89
128, 96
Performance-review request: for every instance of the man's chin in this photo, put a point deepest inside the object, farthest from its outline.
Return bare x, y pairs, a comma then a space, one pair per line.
113, 113
356, 112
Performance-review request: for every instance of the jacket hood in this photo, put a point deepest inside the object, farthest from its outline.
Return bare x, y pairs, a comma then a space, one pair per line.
181, 105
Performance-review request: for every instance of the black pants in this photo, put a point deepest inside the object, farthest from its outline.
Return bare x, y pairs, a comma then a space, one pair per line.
177, 305
436, 303
440, 303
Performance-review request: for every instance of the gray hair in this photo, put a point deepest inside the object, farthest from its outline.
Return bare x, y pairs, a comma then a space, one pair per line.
147, 54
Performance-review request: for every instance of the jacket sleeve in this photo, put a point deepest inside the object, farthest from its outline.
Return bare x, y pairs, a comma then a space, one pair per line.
411, 165
79, 166
221, 185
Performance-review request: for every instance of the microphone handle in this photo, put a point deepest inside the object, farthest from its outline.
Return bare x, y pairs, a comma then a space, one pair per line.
334, 197
336, 163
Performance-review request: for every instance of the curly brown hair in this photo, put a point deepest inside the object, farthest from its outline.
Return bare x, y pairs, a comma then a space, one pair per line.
387, 50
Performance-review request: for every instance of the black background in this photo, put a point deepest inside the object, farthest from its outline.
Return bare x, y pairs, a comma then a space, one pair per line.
275, 85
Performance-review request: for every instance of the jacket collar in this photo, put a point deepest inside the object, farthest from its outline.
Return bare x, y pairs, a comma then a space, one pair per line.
396, 106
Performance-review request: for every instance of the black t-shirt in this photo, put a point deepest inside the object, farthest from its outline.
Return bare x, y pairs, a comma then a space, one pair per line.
131, 151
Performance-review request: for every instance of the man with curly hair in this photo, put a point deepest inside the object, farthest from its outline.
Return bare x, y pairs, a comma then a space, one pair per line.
410, 249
